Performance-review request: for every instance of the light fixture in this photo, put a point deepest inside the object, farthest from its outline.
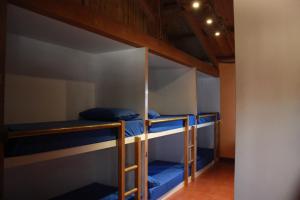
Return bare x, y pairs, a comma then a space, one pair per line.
217, 33
209, 21
196, 4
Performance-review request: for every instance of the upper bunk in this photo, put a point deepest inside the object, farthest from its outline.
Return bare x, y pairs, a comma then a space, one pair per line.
171, 97
53, 72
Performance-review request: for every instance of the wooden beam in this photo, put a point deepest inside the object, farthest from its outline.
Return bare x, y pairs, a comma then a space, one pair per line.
195, 25
2, 75
81, 17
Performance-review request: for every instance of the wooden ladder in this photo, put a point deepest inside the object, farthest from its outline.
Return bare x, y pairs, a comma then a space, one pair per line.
190, 151
123, 169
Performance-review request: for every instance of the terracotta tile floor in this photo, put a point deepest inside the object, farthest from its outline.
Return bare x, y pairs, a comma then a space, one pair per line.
214, 184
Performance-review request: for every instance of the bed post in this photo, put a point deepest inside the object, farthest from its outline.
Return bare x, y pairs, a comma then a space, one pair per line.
216, 136
138, 150
121, 161
2, 75
194, 152
147, 124
186, 151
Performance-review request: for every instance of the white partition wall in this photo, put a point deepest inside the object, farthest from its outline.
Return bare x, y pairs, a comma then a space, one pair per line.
172, 87
172, 90
208, 100
53, 72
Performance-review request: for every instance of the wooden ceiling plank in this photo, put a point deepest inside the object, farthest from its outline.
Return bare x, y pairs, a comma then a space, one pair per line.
148, 10
82, 17
197, 30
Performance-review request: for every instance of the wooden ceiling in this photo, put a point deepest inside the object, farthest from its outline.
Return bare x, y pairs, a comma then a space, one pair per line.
186, 28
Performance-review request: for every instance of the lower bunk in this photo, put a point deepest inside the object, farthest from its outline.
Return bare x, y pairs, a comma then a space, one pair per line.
163, 176
204, 157
94, 191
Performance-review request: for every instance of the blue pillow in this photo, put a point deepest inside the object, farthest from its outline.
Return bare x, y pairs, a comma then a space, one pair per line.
152, 114
108, 114
152, 182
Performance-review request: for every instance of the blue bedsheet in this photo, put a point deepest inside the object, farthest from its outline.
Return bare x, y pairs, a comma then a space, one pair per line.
207, 119
168, 174
38, 144
204, 157
94, 191
164, 126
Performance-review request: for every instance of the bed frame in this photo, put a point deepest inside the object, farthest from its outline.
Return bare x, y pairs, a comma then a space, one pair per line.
122, 169
187, 148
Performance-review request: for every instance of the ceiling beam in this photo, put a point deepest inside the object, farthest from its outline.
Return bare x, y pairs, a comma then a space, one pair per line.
195, 26
81, 17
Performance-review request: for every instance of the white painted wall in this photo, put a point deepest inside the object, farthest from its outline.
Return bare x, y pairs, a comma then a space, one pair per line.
172, 87
208, 100
47, 82
208, 94
268, 100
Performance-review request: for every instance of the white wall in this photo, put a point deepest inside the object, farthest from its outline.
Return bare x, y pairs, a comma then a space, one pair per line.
208, 94
208, 100
47, 82
268, 99
172, 87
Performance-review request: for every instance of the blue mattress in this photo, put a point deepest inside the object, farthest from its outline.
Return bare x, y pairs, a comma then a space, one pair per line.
94, 191
207, 119
38, 144
164, 126
168, 174
204, 157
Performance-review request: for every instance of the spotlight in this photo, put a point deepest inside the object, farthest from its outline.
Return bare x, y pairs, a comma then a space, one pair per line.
196, 4
217, 33
209, 21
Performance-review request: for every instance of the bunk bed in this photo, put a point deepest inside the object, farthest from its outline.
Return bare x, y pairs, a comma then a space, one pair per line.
29, 139
163, 176
206, 156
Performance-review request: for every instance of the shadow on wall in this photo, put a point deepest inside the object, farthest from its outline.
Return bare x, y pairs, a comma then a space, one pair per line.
297, 191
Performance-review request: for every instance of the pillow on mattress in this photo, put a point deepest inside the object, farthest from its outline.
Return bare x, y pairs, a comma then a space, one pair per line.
152, 114
152, 182
108, 114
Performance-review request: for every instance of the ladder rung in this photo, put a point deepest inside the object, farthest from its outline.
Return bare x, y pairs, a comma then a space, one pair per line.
191, 146
134, 190
133, 167
191, 161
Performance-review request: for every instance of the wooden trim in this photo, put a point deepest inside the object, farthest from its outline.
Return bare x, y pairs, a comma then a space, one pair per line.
155, 121
121, 161
81, 17
194, 153
3, 5
186, 151
138, 163
146, 160
18, 134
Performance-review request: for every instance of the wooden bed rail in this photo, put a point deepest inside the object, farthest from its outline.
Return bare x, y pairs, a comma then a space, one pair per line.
31, 133
148, 123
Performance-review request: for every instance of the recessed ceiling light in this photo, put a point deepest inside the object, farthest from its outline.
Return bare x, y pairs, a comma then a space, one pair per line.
217, 33
209, 21
196, 4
